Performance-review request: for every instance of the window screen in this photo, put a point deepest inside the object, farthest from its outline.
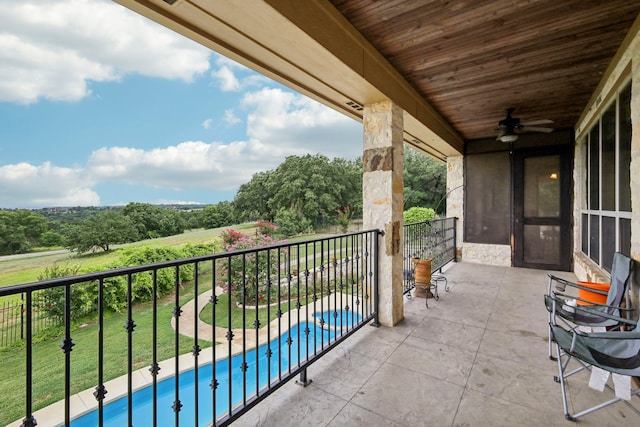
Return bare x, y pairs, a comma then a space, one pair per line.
487, 201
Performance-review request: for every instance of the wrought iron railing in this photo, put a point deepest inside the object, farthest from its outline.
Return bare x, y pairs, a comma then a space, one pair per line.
272, 312
434, 239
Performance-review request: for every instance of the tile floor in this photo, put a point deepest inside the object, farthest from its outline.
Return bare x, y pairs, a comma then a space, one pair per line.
476, 357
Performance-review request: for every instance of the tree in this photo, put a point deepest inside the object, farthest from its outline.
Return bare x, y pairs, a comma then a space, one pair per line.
100, 232
309, 186
250, 275
218, 215
52, 238
20, 230
290, 223
154, 221
425, 181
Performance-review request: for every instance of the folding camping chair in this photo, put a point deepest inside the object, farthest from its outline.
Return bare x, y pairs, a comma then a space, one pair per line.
614, 314
617, 352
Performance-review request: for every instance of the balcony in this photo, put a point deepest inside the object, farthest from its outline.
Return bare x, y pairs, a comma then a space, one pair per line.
477, 356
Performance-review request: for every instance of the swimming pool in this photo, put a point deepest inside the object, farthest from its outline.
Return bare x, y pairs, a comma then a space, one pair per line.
115, 413
338, 319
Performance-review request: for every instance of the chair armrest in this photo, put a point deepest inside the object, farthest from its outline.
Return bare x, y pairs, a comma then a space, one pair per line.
613, 335
563, 283
619, 319
558, 299
590, 304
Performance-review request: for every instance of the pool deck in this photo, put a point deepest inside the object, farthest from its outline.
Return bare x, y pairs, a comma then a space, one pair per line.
476, 357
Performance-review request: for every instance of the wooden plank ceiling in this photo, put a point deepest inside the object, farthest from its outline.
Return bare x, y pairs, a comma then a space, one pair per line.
473, 59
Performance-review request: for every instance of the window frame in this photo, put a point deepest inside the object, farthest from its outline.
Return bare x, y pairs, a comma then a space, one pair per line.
601, 258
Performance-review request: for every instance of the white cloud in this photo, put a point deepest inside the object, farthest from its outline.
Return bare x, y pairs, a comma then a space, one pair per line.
207, 123
288, 123
234, 77
226, 79
188, 165
230, 118
25, 185
53, 49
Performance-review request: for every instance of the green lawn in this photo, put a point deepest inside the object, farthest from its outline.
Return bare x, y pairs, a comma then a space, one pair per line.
25, 270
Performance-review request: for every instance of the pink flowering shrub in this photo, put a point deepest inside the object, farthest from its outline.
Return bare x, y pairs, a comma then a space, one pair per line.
247, 275
266, 228
230, 237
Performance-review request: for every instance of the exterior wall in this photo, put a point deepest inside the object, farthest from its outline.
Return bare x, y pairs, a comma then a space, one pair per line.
635, 151
487, 254
455, 196
584, 268
471, 252
382, 194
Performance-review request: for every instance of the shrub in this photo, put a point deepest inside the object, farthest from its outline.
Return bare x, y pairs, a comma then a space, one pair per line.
266, 228
291, 223
249, 276
191, 250
344, 216
416, 214
84, 296
142, 283
52, 300
230, 237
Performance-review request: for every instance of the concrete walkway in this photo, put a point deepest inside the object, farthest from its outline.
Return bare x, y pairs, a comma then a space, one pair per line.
190, 319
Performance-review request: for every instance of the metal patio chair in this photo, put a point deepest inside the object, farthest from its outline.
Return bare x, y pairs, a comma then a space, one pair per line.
616, 313
616, 352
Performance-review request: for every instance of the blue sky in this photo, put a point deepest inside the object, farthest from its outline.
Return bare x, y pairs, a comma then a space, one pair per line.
100, 106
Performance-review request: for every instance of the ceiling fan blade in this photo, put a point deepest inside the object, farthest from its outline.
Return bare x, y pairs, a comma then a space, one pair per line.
537, 122
537, 129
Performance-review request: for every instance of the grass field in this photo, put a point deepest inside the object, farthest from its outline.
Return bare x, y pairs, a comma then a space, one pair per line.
26, 269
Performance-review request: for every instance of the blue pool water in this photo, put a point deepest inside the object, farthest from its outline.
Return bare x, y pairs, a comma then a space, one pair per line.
116, 415
338, 319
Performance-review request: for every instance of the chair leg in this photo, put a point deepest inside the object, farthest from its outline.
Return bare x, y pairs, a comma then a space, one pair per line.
561, 378
551, 356
563, 375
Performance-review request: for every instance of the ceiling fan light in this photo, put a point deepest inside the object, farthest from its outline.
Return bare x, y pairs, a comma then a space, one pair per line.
508, 137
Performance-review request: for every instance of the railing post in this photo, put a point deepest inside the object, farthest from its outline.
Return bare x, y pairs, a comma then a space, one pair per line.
455, 239
22, 317
376, 261
29, 420
303, 381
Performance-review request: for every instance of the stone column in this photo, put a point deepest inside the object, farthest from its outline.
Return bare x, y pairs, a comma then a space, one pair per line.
382, 198
455, 197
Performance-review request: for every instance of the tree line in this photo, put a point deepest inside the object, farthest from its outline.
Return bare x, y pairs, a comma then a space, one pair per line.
302, 194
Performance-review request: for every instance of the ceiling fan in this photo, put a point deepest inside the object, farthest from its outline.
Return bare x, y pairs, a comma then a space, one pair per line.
510, 127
